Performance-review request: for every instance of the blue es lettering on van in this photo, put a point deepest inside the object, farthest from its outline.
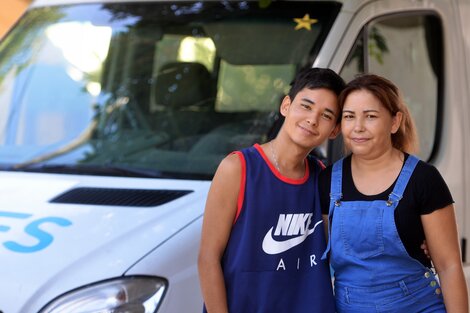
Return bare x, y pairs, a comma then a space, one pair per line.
33, 229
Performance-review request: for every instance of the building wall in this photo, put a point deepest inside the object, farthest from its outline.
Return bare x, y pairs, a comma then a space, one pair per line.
10, 11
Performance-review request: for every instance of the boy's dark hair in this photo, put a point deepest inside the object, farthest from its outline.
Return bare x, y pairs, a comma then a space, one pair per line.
315, 78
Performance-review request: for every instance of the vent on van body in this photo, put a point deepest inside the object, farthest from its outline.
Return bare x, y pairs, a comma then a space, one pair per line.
119, 197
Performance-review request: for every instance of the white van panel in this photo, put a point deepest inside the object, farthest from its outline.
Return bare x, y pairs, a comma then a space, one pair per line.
91, 237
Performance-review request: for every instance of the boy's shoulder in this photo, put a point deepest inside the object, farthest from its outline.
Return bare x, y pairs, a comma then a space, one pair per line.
230, 165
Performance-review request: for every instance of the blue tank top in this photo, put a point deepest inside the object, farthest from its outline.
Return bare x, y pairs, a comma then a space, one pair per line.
272, 262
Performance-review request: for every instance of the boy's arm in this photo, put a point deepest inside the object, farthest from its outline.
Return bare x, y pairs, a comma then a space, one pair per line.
219, 215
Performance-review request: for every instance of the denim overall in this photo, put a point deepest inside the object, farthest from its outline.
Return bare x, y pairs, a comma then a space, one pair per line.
373, 271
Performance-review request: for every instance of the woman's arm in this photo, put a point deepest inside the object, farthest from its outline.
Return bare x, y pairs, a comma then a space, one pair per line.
219, 215
440, 230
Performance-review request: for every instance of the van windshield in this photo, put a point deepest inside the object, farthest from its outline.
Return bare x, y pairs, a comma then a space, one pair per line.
150, 89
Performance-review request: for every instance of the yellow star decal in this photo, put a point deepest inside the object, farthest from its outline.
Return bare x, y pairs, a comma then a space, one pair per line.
305, 22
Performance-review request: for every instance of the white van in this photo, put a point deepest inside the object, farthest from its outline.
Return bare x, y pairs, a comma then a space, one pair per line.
115, 114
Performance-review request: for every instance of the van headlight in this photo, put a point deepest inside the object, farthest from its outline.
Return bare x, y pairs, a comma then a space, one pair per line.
124, 295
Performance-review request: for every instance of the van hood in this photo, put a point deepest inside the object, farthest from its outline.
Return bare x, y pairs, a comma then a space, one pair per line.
47, 248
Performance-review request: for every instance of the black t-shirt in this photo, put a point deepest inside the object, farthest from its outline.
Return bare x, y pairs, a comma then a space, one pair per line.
426, 192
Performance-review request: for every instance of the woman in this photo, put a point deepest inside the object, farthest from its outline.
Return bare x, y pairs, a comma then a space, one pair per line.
383, 203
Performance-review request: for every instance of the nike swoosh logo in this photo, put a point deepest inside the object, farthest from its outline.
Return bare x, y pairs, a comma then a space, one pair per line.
271, 246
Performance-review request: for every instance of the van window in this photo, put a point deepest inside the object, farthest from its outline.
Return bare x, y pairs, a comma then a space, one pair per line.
149, 89
407, 50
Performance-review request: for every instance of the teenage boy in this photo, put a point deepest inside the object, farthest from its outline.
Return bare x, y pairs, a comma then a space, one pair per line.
263, 235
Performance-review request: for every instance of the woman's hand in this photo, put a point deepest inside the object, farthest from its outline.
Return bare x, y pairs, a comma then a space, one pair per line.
440, 229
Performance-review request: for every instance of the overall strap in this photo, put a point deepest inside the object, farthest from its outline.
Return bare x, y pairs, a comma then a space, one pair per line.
336, 181
335, 198
402, 180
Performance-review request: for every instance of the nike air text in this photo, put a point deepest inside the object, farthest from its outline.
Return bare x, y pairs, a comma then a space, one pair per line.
293, 224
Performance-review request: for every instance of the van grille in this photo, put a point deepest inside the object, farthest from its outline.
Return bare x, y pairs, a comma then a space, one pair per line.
119, 197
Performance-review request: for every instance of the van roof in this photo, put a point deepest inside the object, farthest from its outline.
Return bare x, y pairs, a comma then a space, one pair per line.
348, 5
41, 3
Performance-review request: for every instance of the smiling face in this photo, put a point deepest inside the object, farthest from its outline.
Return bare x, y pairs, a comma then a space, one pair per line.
311, 116
367, 125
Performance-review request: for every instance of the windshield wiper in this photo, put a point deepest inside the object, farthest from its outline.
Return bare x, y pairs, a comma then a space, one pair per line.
87, 169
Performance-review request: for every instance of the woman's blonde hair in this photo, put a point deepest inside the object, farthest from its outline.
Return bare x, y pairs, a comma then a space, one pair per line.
406, 138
